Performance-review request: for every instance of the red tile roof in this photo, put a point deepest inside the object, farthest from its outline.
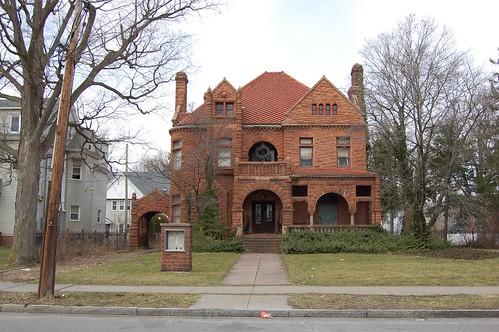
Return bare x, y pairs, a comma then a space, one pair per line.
269, 96
265, 100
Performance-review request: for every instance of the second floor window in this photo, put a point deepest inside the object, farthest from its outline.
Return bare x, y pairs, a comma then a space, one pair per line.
177, 154
76, 173
15, 123
306, 152
343, 151
225, 152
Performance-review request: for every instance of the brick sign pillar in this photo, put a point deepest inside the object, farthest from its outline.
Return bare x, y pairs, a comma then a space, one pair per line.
176, 242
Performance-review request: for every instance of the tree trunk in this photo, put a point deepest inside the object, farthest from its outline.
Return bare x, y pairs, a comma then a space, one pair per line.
24, 248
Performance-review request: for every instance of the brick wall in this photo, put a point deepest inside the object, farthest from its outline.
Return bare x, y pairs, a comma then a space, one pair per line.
154, 202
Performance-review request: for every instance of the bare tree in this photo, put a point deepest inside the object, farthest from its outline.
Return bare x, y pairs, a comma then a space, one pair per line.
415, 80
127, 51
200, 159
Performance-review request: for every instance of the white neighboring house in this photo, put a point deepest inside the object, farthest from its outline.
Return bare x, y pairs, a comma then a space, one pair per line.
140, 183
84, 180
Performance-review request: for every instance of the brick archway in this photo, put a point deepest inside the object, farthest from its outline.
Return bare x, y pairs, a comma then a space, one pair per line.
142, 211
281, 192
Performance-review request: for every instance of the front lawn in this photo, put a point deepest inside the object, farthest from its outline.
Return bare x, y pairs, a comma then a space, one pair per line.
207, 269
389, 270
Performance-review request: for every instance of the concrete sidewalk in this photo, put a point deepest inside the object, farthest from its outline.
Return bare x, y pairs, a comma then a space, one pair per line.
258, 282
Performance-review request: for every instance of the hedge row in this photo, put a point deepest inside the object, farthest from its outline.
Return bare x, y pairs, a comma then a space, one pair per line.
348, 241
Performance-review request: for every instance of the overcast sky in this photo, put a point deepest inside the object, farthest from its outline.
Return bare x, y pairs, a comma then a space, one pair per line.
308, 39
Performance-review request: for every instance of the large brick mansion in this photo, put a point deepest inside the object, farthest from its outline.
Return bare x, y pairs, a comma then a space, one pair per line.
284, 154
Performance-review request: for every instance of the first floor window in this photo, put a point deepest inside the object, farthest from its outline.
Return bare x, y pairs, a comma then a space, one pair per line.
306, 152
74, 213
99, 213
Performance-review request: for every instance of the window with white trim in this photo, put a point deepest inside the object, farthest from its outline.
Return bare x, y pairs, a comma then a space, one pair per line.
15, 123
74, 214
114, 205
76, 173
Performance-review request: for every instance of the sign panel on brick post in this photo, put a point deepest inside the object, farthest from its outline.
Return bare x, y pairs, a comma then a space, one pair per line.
176, 253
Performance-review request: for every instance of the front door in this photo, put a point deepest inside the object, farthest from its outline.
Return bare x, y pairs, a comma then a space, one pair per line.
263, 217
328, 214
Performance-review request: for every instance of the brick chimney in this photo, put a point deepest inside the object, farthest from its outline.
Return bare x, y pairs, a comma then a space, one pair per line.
180, 96
356, 91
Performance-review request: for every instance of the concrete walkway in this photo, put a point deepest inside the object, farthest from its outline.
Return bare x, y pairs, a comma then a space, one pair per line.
251, 269
256, 282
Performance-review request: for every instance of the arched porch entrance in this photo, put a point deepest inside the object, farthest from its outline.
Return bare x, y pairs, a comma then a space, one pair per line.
262, 212
332, 209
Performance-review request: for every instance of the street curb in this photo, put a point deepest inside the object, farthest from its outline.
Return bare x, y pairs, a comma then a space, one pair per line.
136, 311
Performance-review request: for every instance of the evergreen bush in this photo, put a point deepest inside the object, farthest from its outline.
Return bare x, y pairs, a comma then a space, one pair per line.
350, 241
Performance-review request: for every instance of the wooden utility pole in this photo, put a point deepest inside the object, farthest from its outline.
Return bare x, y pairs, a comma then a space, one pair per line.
46, 284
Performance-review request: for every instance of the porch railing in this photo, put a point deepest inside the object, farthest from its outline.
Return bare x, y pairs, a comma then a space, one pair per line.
263, 168
332, 228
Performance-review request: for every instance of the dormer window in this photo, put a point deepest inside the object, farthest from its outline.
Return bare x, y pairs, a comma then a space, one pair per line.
229, 108
224, 109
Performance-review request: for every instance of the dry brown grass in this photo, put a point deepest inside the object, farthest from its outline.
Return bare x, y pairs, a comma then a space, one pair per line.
345, 301
143, 300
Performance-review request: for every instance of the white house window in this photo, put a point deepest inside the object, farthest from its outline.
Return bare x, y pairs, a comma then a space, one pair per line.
122, 205
99, 213
114, 205
15, 123
76, 173
74, 213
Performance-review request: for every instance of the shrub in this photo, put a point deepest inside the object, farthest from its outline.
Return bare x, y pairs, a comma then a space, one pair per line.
208, 234
348, 241
204, 243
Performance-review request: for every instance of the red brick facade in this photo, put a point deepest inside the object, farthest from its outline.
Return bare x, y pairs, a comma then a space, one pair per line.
286, 154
